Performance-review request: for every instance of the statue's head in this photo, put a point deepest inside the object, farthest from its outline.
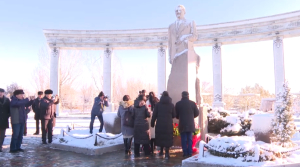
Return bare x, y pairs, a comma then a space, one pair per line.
180, 11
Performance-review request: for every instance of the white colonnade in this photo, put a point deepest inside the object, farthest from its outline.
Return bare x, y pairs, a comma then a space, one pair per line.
274, 28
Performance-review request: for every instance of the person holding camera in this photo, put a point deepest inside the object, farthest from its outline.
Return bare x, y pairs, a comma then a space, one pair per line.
100, 103
18, 115
47, 113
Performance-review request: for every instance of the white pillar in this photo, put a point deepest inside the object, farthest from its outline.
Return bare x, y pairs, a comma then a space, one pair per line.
54, 72
279, 70
217, 75
107, 77
161, 70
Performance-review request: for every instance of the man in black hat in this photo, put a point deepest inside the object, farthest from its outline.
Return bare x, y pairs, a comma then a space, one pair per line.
186, 111
36, 110
18, 118
47, 110
4, 112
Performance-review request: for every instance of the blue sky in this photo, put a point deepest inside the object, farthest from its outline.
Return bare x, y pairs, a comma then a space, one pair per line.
22, 22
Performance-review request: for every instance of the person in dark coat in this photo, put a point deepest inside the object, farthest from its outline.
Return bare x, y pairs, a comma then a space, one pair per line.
18, 118
163, 114
151, 102
4, 115
47, 112
127, 131
186, 111
36, 110
141, 126
98, 108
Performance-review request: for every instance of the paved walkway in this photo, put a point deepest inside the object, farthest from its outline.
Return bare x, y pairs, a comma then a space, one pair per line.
38, 155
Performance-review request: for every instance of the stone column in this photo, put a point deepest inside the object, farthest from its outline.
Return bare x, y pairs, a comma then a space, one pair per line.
217, 75
161, 70
107, 77
54, 72
279, 70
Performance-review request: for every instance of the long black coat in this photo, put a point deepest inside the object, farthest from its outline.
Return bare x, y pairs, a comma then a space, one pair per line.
36, 108
4, 113
186, 111
163, 114
141, 125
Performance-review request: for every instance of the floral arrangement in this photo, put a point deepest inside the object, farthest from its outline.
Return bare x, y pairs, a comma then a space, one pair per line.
177, 133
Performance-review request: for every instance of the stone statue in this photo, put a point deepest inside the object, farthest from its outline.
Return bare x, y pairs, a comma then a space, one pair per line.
185, 62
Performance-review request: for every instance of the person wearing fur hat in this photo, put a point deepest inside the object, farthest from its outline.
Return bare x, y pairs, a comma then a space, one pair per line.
18, 118
36, 110
98, 108
47, 112
4, 112
125, 110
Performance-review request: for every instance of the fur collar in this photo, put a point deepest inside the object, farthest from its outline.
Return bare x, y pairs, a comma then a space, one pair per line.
126, 104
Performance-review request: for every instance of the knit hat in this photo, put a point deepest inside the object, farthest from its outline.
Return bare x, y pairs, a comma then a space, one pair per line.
40, 92
185, 94
2, 90
48, 91
18, 91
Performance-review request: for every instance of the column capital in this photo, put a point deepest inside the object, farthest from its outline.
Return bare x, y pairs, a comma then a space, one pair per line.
108, 52
162, 51
277, 41
217, 47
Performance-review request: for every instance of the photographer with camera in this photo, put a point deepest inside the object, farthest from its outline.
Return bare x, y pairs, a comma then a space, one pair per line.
98, 108
48, 110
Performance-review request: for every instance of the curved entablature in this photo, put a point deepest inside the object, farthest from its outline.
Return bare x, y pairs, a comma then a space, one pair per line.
251, 30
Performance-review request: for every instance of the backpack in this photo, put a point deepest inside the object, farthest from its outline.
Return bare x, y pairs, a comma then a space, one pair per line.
128, 119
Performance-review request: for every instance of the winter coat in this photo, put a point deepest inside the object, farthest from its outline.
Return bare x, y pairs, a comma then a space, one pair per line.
99, 106
163, 114
36, 108
186, 111
141, 124
152, 129
18, 111
47, 108
4, 113
125, 106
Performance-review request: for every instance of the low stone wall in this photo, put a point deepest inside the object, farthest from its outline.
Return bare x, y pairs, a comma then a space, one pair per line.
193, 162
89, 151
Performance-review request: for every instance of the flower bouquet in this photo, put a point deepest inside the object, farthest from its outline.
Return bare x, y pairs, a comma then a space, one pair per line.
177, 139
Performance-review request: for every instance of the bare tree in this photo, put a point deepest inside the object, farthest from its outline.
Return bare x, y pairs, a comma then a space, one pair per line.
11, 88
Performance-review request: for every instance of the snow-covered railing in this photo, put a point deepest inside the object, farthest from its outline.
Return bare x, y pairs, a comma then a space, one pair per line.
107, 138
73, 125
281, 152
64, 132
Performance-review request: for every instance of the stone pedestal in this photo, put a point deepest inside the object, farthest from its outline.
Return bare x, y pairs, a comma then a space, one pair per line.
203, 122
54, 73
107, 77
183, 75
217, 76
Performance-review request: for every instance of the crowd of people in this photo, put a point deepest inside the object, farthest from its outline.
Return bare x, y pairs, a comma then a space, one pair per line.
17, 108
147, 119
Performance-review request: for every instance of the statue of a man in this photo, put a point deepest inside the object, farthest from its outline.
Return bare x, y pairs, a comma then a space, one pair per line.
181, 32
185, 62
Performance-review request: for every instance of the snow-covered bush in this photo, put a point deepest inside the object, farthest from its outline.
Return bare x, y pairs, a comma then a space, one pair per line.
215, 122
230, 146
237, 126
